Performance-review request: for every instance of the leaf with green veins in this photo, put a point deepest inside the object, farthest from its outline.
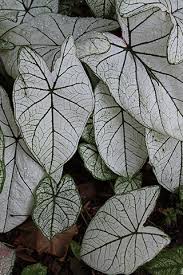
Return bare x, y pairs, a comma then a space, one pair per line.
166, 158
169, 261
102, 8
7, 259
88, 134
124, 185
119, 137
2, 164
35, 269
175, 11
57, 205
94, 163
52, 108
116, 240
46, 34
23, 173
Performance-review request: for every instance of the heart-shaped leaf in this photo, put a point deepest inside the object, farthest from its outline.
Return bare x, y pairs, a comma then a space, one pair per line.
175, 10
45, 34
116, 240
169, 261
119, 137
102, 8
166, 157
124, 185
17, 12
22, 172
57, 205
2, 165
52, 108
94, 163
138, 73
7, 259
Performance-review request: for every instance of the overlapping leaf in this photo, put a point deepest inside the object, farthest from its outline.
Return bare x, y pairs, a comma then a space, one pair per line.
175, 10
94, 163
139, 76
119, 137
166, 157
169, 261
124, 185
116, 241
88, 134
19, 11
22, 172
57, 205
102, 8
52, 108
7, 259
45, 34
2, 165
37, 269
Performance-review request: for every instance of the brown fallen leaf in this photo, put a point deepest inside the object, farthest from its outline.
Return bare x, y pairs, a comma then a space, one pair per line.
31, 237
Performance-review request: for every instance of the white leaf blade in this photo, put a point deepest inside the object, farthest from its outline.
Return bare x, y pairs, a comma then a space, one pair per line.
94, 163
119, 137
52, 108
57, 205
102, 8
26, 10
126, 245
165, 154
129, 8
7, 259
22, 172
175, 43
45, 34
139, 76
123, 185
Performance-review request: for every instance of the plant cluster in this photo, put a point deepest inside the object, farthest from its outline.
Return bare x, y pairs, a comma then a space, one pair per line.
117, 99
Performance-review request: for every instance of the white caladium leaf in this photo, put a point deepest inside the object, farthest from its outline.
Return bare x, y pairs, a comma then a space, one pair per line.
139, 76
88, 134
119, 137
22, 172
2, 164
124, 185
129, 8
175, 10
116, 241
45, 34
7, 259
166, 157
102, 8
52, 108
94, 163
19, 11
57, 205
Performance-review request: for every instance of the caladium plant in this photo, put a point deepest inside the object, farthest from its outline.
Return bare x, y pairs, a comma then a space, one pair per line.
116, 99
